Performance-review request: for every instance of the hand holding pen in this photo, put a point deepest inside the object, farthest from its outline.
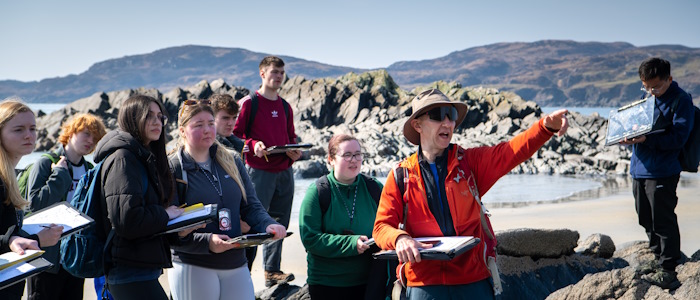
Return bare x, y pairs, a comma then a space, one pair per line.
259, 150
50, 235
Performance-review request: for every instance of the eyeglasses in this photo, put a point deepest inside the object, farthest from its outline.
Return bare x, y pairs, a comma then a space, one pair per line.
350, 156
439, 113
159, 118
655, 90
190, 102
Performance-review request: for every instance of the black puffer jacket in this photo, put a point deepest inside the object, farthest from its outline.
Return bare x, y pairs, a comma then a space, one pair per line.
136, 218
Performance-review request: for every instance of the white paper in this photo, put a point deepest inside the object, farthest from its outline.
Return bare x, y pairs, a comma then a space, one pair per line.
446, 244
194, 214
64, 215
10, 258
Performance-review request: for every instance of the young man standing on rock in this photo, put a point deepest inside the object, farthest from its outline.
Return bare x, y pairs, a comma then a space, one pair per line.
272, 175
53, 179
655, 169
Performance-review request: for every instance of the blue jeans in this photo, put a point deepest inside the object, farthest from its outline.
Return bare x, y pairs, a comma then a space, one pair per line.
276, 193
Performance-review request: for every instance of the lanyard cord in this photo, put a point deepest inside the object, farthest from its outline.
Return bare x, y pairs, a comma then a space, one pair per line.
351, 215
219, 191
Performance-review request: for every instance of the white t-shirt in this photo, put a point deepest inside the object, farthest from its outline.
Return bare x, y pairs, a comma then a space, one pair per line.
78, 172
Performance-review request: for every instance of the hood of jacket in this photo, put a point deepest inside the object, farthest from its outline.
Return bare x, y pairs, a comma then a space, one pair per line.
117, 139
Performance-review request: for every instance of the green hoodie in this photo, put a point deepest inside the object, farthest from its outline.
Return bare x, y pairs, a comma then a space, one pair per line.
332, 256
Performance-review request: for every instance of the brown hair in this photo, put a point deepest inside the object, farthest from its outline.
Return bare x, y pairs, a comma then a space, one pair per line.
335, 142
79, 123
224, 102
8, 110
223, 157
271, 60
132, 119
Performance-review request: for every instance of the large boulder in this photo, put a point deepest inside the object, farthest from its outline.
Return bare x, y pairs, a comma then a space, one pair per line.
537, 243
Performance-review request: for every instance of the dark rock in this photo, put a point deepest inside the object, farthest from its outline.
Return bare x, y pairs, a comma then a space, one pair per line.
537, 243
598, 245
277, 292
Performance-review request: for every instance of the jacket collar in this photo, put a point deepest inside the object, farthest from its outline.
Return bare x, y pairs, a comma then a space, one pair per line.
188, 163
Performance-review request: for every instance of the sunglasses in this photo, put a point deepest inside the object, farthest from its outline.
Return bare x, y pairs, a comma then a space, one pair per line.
439, 113
190, 102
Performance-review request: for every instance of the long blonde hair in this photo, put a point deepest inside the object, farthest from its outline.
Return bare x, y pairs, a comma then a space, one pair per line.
223, 157
8, 110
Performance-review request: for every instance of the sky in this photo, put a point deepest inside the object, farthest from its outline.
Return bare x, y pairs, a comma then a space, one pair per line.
45, 39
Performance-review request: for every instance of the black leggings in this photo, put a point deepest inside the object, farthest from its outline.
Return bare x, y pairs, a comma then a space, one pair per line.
151, 290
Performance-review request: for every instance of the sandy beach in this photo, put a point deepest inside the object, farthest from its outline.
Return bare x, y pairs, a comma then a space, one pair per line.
613, 215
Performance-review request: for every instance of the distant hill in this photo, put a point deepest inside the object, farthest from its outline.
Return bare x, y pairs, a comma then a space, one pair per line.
164, 69
555, 73
550, 72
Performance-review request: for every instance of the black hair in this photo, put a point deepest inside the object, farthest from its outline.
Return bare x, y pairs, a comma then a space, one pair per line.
654, 67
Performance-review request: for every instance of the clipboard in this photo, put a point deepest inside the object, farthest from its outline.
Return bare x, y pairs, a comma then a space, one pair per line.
283, 149
252, 240
23, 271
444, 248
632, 120
9, 259
60, 213
193, 218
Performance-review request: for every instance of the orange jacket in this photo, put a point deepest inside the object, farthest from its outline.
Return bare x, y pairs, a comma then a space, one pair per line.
488, 165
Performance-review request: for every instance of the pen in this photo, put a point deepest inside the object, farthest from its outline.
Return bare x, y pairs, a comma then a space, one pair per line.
265, 155
46, 226
182, 206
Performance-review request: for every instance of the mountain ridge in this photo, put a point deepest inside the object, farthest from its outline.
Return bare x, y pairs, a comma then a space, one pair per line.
549, 72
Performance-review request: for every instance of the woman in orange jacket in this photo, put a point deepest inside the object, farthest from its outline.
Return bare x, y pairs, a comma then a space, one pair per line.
439, 201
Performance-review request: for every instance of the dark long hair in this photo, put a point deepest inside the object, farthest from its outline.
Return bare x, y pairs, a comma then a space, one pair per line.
132, 119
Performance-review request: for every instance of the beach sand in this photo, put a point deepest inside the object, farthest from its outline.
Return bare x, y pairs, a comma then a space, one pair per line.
613, 215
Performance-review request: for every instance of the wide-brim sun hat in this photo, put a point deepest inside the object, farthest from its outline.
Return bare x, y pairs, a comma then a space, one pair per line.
425, 101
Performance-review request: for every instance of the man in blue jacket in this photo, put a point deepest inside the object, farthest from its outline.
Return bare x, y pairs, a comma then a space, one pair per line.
655, 169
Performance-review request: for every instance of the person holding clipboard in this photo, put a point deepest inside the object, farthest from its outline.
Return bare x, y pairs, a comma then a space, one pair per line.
209, 267
17, 138
139, 192
437, 200
335, 223
50, 183
267, 120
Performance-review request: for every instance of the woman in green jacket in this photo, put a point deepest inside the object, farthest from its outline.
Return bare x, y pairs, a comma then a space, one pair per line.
335, 236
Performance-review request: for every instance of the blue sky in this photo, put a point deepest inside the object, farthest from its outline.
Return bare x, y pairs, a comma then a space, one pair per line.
42, 39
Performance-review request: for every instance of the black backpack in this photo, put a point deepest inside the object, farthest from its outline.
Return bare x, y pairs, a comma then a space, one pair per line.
690, 153
382, 272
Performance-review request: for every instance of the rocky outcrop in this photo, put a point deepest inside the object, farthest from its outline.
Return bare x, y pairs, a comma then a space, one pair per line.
373, 107
569, 275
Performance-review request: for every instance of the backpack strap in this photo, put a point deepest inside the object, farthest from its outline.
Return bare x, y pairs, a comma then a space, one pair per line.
401, 179
253, 112
323, 187
180, 178
374, 189
474, 190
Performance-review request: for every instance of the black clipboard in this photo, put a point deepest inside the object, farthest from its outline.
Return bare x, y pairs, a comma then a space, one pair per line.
252, 240
191, 220
456, 246
283, 149
60, 213
23, 271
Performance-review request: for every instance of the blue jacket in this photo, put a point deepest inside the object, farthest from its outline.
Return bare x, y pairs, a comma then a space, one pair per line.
657, 157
